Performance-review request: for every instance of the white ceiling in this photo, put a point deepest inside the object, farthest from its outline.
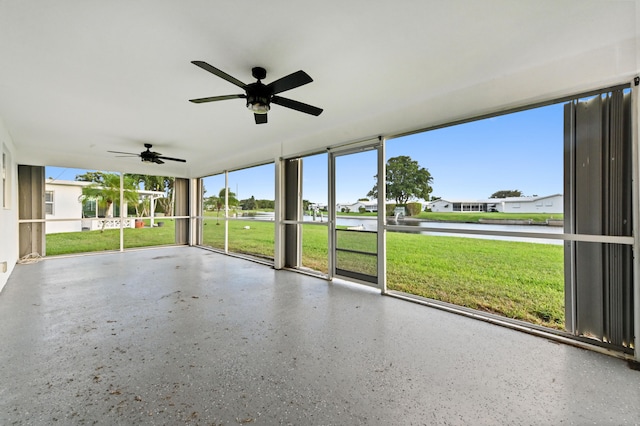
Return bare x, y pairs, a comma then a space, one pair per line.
79, 78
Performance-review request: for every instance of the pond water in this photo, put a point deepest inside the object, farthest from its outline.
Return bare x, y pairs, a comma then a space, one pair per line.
369, 223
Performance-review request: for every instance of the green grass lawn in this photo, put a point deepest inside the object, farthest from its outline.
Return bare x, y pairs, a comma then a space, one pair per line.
515, 279
253, 237
518, 280
91, 241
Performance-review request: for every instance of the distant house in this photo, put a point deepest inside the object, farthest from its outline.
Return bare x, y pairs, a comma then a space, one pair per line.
546, 204
369, 206
68, 211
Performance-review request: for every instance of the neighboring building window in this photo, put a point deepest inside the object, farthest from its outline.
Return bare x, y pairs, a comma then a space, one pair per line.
48, 202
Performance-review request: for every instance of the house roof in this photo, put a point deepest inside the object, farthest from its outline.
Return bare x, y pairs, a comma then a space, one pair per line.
80, 78
67, 182
498, 200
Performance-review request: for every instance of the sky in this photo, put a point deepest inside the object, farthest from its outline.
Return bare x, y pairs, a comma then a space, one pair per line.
522, 151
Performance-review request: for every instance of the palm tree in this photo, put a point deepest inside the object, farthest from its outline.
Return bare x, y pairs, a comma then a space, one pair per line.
159, 183
108, 190
217, 202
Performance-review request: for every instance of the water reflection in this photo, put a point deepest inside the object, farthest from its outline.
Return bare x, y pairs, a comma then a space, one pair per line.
369, 223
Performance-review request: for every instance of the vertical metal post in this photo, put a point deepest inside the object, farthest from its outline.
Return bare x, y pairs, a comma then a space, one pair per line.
278, 258
382, 212
635, 139
195, 211
569, 216
121, 208
226, 211
299, 213
331, 217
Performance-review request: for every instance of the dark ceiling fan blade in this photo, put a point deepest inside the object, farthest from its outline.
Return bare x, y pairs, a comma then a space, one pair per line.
216, 98
213, 70
298, 106
157, 160
288, 82
260, 118
120, 152
172, 159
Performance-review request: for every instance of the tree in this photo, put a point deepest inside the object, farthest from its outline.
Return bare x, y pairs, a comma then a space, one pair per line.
266, 204
231, 198
107, 189
249, 203
217, 202
506, 193
158, 183
405, 180
97, 177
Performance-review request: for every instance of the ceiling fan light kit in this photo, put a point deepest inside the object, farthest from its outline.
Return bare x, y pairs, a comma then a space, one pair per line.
259, 96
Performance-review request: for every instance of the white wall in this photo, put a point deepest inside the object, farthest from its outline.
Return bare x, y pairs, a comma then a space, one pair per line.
552, 204
439, 206
8, 215
66, 205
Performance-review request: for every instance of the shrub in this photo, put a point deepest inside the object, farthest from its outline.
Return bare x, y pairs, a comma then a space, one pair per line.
390, 209
414, 209
362, 209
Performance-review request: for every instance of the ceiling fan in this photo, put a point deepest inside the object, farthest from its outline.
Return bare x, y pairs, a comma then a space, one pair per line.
259, 96
149, 156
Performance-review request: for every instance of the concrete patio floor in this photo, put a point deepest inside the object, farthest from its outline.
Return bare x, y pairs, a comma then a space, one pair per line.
182, 335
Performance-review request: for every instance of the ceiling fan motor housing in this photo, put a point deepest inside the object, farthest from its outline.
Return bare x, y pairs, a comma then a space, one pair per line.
147, 157
258, 97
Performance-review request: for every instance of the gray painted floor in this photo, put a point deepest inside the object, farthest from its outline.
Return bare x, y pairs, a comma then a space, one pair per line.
186, 336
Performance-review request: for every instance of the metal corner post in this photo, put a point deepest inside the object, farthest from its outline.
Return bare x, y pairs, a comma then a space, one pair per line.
121, 214
278, 261
332, 214
382, 212
226, 211
635, 118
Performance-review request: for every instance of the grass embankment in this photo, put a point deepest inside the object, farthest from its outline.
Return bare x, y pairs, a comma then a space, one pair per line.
468, 217
463, 217
90, 241
473, 217
515, 279
518, 280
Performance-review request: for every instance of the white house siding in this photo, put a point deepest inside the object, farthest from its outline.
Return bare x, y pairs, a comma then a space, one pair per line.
8, 211
67, 204
552, 204
441, 206
370, 206
549, 204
